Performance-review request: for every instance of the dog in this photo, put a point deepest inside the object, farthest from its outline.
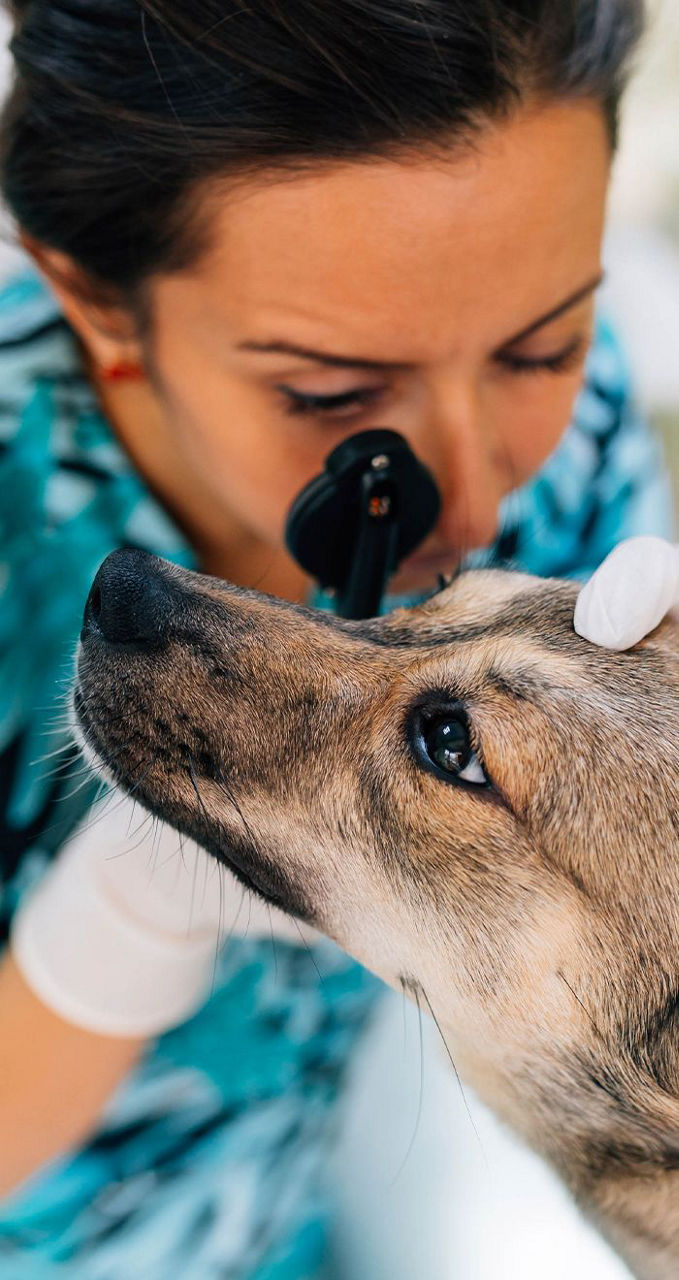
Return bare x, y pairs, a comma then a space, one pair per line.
477, 804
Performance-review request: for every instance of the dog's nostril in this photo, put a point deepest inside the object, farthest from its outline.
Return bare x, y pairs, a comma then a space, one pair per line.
130, 601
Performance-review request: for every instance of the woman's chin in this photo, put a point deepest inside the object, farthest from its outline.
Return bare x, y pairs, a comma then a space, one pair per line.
415, 579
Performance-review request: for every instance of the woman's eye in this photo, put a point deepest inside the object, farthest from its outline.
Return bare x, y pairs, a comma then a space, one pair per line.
564, 361
301, 402
446, 743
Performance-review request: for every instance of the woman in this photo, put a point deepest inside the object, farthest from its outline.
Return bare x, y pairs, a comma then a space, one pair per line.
266, 228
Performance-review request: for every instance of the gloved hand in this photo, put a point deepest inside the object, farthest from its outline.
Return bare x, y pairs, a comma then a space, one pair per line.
121, 933
629, 595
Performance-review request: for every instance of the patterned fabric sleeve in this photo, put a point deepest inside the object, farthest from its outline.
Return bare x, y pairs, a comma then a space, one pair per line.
68, 496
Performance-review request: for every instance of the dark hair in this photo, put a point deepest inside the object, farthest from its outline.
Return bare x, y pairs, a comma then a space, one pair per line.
121, 107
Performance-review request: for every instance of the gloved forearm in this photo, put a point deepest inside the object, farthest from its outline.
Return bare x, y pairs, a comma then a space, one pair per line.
121, 935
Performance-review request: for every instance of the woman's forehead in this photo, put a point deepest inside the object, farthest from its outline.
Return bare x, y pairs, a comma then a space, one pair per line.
387, 255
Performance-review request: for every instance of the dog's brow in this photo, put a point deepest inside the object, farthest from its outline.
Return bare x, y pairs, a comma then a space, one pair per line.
526, 614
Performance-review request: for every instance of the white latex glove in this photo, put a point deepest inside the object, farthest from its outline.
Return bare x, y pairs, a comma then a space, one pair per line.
120, 935
629, 595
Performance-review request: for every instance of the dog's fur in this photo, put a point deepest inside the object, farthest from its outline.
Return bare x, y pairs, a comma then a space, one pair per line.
537, 918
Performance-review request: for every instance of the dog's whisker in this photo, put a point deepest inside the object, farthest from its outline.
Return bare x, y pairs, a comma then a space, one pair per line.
457, 1074
193, 888
133, 847
583, 1006
62, 726
199, 798
194, 780
218, 939
61, 770
101, 790
63, 749
229, 793
131, 818
404, 1007
155, 844
87, 779
52, 826
232, 930
123, 797
171, 857
56, 711
141, 779
273, 944
411, 1144
148, 817
206, 866
306, 946
68, 758
215, 956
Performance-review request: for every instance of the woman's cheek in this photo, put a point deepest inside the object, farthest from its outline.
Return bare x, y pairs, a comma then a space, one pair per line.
532, 422
236, 451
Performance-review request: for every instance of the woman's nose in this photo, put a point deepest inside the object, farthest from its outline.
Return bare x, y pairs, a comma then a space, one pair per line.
459, 449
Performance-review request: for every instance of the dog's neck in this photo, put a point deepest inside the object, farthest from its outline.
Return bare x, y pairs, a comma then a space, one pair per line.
640, 1217
611, 1138
625, 1176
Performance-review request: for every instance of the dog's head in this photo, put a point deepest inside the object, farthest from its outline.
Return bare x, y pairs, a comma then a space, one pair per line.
472, 800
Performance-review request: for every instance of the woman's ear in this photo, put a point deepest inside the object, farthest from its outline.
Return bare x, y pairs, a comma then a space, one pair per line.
106, 327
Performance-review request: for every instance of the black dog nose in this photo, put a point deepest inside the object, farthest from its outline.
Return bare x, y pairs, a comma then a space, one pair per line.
130, 601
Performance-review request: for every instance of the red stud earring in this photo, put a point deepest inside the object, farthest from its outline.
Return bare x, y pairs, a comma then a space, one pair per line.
121, 371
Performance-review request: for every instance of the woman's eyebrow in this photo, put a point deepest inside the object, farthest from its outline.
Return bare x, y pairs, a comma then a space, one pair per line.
321, 357
572, 301
352, 362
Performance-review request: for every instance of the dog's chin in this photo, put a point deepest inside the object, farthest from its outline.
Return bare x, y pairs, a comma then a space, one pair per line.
86, 739
260, 875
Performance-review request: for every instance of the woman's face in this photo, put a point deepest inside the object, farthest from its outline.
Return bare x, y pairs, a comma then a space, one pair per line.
448, 299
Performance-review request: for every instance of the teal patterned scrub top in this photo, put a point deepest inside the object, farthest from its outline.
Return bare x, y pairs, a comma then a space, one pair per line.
208, 1160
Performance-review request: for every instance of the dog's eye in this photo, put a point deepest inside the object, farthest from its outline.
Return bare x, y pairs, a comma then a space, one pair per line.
444, 742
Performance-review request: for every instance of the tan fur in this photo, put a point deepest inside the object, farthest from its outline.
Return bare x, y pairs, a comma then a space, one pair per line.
538, 919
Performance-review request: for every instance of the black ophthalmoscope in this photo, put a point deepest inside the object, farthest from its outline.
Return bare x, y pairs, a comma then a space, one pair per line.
352, 526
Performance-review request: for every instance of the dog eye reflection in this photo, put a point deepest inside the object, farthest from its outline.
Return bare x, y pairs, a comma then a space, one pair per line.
443, 743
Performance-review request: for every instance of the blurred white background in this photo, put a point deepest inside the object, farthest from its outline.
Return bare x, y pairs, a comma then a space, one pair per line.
642, 255
424, 1195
